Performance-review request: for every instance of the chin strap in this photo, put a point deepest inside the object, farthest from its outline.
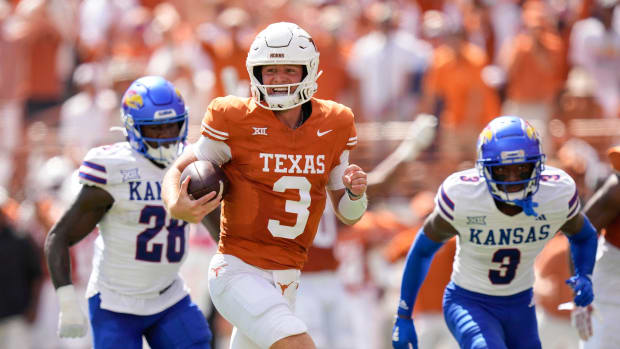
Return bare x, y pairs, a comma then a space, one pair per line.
527, 205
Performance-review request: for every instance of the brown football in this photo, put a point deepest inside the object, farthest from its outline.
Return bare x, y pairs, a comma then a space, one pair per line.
205, 177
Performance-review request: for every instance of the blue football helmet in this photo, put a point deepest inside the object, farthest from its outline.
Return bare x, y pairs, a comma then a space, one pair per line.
508, 140
152, 100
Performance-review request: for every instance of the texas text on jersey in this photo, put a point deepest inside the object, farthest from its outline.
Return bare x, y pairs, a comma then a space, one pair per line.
287, 168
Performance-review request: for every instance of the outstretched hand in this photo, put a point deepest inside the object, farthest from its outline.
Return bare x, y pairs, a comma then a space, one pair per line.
403, 334
582, 287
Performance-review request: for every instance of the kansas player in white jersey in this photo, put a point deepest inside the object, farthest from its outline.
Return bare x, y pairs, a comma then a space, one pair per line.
503, 213
134, 289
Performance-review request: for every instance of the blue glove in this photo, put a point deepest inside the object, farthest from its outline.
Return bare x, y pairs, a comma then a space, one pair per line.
582, 286
403, 334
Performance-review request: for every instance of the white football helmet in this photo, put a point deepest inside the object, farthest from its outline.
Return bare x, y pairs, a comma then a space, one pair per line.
283, 43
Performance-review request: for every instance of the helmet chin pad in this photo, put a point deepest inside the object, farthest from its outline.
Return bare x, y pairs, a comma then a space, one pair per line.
164, 154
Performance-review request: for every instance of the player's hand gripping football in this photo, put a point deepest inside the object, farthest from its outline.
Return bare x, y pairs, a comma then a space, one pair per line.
354, 179
190, 210
403, 334
582, 287
71, 321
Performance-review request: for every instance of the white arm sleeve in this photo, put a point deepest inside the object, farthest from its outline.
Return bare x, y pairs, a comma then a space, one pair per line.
215, 151
335, 176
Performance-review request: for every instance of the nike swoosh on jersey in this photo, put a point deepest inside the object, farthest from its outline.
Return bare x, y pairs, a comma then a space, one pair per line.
321, 134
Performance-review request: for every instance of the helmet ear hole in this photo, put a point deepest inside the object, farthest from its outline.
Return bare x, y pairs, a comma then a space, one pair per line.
257, 72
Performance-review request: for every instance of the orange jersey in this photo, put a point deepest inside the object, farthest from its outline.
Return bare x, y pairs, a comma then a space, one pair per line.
278, 177
321, 259
612, 231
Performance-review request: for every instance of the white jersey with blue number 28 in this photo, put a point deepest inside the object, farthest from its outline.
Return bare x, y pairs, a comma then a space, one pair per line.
140, 248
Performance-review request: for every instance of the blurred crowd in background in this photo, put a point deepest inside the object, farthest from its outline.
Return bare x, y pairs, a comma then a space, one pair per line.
65, 63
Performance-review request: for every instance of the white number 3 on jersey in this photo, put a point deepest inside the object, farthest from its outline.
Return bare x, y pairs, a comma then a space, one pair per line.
298, 207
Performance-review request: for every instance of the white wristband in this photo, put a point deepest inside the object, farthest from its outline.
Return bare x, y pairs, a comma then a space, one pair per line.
352, 209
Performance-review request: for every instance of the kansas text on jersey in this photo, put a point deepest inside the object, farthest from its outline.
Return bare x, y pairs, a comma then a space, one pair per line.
496, 252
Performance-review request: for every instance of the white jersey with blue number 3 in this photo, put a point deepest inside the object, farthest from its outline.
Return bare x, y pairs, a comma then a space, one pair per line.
496, 252
140, 248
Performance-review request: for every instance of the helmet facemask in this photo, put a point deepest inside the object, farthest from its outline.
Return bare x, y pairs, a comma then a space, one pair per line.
152, 101
499, 188
509, 140
166, 149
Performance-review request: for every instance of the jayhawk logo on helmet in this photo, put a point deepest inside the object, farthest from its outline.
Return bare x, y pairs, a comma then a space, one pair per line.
486, 135
176, 90
531, 132
133, 100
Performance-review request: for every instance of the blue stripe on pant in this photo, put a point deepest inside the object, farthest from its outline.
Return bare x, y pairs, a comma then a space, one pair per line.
181, 326
479, 321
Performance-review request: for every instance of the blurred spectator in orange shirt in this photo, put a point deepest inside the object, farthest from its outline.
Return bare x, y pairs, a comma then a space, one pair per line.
477, 21
227, 41
12, 71
335, 80
41, 86
455, 90
534, 63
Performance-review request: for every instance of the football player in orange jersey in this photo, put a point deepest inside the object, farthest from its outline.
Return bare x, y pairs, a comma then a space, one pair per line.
281, 150
603, 209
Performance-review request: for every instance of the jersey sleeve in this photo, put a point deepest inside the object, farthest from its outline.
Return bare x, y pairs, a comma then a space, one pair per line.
559, 191
335, 175
570, 195
444, 203
344, 114
352, 138
97, 168
214, 125
460, 187
215, 151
